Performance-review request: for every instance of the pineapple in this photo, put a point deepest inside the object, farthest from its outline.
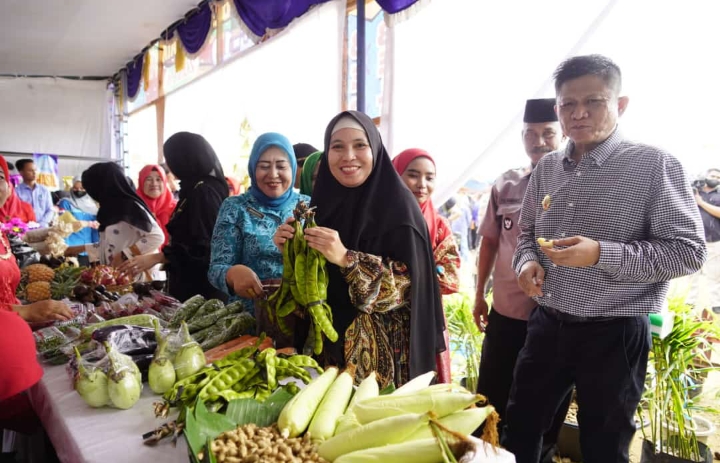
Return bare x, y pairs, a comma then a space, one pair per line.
39, 272
37, 291
66, 277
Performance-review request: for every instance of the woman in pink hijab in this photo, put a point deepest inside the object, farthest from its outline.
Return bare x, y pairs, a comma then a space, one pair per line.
417, 170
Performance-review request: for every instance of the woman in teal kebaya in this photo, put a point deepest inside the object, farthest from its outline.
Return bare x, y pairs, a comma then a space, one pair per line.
243, 254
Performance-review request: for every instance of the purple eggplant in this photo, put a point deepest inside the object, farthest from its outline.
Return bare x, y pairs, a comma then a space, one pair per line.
128, 339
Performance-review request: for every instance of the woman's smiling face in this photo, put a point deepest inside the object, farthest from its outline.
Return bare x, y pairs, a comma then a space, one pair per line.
350, 158
273, 172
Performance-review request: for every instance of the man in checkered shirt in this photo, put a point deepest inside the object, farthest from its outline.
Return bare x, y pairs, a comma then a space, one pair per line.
623, 223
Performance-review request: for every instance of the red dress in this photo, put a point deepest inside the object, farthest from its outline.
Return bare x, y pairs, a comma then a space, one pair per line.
19, 368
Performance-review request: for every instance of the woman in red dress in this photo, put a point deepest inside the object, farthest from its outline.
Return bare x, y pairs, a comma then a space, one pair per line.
19, 368
41, 311
13, 207
154, 189
417, 170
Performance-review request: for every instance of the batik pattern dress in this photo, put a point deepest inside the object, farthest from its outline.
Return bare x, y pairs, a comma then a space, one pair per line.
379, 337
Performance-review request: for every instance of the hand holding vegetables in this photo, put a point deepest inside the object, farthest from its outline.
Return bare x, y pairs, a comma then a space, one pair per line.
328, 242
304, 279
284, 233
244, 282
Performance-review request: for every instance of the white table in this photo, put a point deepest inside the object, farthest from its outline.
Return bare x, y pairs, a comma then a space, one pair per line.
81, 434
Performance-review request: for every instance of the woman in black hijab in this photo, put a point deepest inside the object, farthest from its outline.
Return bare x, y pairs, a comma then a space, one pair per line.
202, 190
127, 227
383, 291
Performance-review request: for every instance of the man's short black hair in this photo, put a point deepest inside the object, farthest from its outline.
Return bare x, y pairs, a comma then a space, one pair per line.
20, 164
595, 65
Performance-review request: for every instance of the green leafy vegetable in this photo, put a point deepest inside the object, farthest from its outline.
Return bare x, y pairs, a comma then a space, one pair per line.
245, 411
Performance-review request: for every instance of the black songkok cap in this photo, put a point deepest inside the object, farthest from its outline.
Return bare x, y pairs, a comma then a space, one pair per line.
540, 110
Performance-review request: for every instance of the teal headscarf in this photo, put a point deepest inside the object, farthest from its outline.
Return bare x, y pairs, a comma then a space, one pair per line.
261, 145
311, 161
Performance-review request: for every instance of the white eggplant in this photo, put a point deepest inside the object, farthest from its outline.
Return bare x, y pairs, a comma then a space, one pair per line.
161, 374
124, 383
190, 358
91, 385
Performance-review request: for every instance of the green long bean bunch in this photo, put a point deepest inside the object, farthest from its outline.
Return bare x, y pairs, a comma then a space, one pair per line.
303, 290
245, 373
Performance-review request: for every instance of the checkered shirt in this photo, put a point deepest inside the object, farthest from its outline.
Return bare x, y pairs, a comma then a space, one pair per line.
636, 201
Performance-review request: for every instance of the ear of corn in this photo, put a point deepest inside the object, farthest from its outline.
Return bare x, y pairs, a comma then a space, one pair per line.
416, 384
440, 402
390, 430
420, 451
368, 388
331, 408
297, 414
462, 422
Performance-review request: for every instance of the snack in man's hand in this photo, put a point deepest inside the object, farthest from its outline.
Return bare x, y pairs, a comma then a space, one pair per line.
545, 243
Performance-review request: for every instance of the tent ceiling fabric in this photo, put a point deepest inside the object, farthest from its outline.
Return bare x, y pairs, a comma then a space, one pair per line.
80, 37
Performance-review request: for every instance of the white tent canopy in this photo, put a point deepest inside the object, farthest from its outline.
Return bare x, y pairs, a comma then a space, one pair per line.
80, 37
74, 38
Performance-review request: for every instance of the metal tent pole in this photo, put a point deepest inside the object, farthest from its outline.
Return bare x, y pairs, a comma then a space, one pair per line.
361, 55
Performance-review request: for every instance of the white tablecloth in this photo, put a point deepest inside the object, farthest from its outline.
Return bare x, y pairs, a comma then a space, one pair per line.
84, 434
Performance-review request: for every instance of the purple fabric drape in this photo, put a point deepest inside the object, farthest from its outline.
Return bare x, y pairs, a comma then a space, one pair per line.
395, 6
134, 76
195, 29
260, 15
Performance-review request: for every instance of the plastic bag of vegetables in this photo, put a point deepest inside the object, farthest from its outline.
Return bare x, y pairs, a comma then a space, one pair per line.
91, 381
186, 354
124, 380
161, 376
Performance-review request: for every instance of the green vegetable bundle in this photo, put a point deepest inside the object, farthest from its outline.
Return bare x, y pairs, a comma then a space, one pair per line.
246, 373
304, 284
211, 323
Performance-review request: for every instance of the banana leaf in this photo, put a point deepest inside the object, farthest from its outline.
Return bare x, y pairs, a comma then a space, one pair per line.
245, 411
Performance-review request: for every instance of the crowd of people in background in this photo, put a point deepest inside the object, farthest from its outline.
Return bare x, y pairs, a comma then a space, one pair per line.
561, 315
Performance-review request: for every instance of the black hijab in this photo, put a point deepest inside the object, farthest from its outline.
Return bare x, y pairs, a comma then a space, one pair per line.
302, 151
202, 186
107, 184
382, 217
